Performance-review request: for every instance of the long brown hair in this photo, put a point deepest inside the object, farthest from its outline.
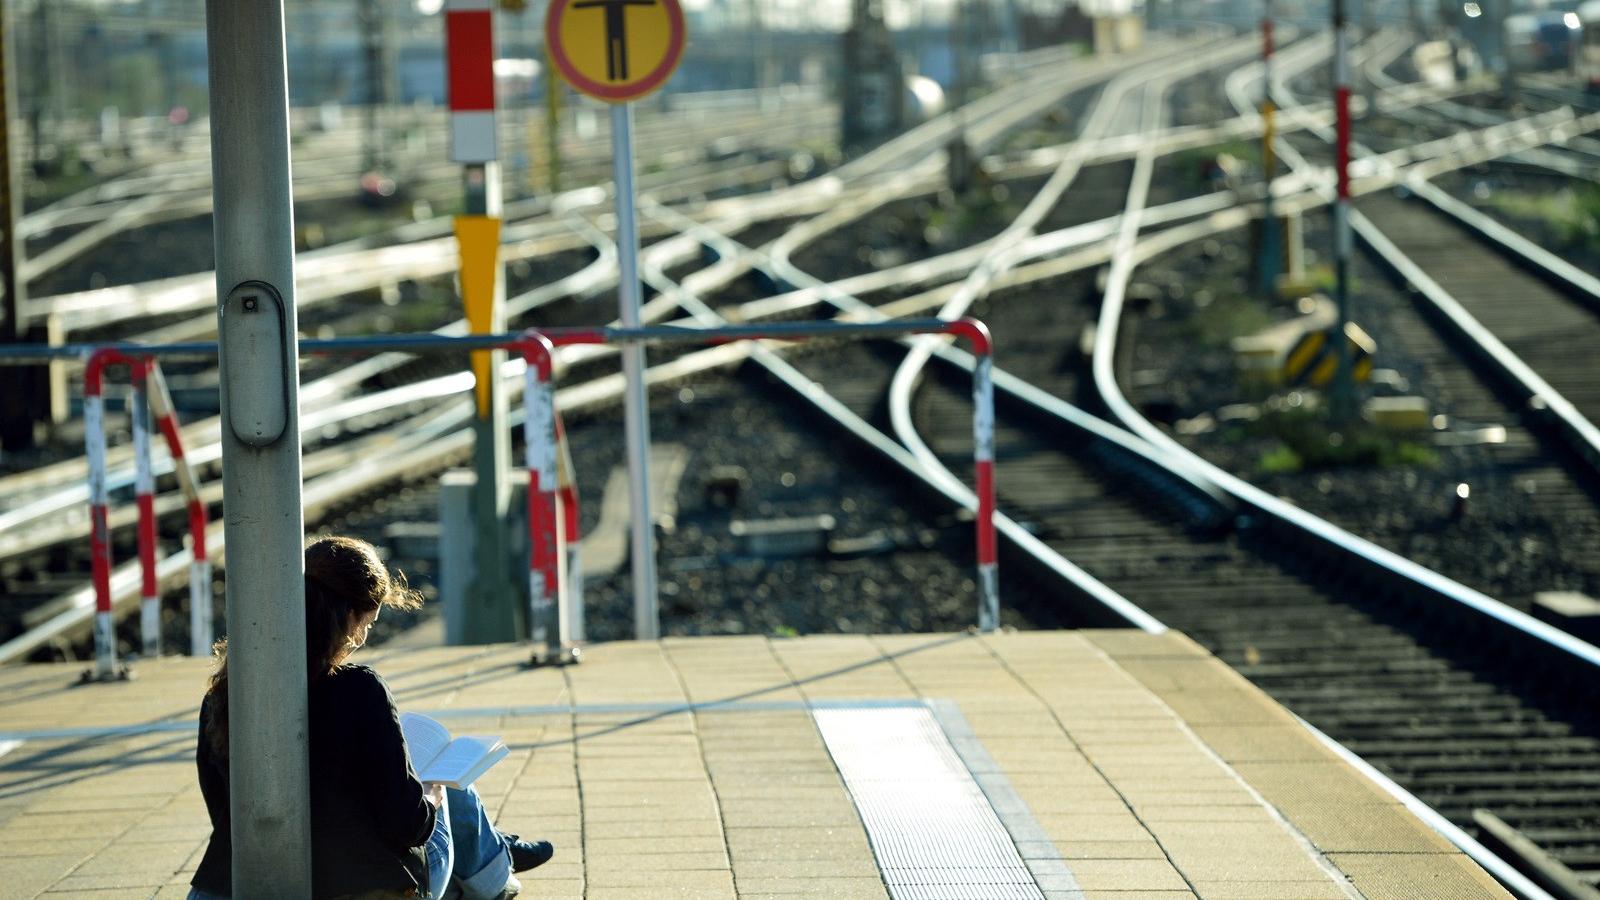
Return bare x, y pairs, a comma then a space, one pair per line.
345, 582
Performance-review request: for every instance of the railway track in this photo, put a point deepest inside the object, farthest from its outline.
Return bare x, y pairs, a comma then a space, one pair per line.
1462, 725
65, 498
1362, 652
1494, 303
1355, 653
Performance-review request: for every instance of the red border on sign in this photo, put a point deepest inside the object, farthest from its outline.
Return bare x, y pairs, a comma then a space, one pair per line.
609, 93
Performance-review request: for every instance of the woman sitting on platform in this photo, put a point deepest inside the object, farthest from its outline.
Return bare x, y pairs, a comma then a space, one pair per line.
376, 831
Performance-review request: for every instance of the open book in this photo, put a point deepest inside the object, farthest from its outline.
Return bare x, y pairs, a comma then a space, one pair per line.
436, 757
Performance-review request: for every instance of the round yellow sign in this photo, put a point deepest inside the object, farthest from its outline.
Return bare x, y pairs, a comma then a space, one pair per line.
615, 50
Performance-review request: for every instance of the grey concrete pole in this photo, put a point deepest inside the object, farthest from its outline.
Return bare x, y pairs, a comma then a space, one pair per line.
267, 708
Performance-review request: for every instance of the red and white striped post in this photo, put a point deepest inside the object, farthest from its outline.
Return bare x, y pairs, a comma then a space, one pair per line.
94, 439
200, 597
572, 624
144, 489
469, 52
1344, 395
983, 468
539, 442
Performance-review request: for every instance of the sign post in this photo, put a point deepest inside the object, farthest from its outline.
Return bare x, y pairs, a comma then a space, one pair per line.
1343, 400
618, 51
492, 614
1271, 250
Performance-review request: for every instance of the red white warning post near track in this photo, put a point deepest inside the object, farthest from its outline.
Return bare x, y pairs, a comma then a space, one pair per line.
469, 49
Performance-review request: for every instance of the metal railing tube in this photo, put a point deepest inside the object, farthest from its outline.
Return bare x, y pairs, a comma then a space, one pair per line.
200, 596
144, 487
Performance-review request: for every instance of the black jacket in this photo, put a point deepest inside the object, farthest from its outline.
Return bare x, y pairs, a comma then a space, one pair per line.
369, 818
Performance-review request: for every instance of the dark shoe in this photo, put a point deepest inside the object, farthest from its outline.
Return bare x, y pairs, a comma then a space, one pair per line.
527, 855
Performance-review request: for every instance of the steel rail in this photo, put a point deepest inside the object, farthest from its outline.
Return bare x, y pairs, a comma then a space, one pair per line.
1359, 549
929, 468
1363, 552
1074, 577
586, 282
1579, 433
1582, 285
331, 272
70, 472
1376, 73
982, 133
1002, 257
440, 445
193, 178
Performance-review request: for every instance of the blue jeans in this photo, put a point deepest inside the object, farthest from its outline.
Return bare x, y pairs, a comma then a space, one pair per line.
464, 847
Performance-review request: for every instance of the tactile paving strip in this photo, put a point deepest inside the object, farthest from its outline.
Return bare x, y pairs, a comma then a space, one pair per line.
932, 829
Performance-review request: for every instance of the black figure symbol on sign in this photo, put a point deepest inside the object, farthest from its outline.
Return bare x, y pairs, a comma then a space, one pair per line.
616, 33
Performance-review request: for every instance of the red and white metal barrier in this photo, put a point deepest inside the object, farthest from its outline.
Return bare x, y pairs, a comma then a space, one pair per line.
144, 488
94, 438
572, 626
983, 462
539, 443
556, 615
541, 425
149, 393
201, 629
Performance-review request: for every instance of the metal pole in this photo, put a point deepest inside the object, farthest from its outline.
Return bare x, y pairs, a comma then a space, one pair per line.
16, 418
94, 437
1369, 87
200, 597
1344, 395
269, 772
539, 441
636, 411
552, 122
492, 611
145, 496
12, 328
983, 468
496, 616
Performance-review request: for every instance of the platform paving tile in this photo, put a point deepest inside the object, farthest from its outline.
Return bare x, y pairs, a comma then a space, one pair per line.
646, 796
1270, 890
1387, 876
